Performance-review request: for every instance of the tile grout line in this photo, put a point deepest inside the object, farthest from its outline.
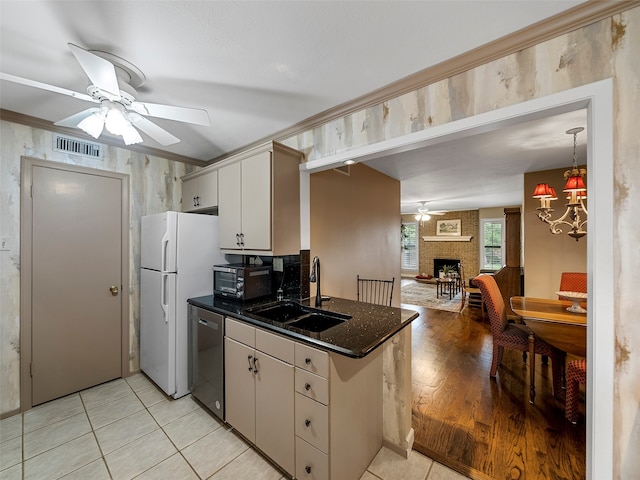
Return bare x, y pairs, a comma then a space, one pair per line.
166, 435
93, 432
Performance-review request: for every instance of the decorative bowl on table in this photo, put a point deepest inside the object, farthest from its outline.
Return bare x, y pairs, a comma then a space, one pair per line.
576, 298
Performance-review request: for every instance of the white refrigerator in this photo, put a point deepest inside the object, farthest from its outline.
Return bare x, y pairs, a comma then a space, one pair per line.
178, 251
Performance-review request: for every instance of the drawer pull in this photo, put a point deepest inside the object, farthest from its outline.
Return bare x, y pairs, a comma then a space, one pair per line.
307, 469
307, 422
249, 360
307, 361
307, 387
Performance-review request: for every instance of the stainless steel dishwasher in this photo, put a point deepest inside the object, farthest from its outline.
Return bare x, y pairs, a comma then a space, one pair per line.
206, 359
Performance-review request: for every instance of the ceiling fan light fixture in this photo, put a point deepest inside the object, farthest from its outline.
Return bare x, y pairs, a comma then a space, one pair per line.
93, 124
131, 136
115, 121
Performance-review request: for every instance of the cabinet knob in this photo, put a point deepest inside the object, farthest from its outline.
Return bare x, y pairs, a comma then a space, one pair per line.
307, 387
307, 361
307, 422
307, 469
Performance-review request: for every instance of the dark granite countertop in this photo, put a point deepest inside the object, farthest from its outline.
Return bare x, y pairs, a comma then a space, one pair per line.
369, 326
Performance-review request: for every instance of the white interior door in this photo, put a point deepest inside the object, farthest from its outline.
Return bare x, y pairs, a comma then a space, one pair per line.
76, 278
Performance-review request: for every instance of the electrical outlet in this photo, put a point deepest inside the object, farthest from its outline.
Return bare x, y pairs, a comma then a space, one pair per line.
278, 264
4, 244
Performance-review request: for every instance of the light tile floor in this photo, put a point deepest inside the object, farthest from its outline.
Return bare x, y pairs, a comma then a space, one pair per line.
128, 429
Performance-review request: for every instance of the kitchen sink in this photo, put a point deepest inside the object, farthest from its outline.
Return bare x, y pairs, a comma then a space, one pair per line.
281, 312
317, 322
297, 317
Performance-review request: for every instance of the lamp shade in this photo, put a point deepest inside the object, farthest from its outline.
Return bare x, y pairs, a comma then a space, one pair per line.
542, 190
575, 184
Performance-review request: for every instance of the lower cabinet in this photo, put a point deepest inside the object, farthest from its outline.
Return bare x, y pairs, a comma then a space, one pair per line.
317, 415
259, 386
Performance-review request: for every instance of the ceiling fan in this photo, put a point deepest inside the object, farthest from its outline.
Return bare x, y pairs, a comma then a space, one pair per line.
113, 87
424, 214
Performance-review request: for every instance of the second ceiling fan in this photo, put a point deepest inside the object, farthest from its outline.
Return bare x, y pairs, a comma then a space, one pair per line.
424, 214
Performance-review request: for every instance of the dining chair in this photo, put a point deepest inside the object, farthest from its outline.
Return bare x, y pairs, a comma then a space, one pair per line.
513, 335
470, 295
375, 291
573, 282
576, 374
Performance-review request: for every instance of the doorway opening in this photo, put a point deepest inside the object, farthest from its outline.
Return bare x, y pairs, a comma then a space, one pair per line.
597, 99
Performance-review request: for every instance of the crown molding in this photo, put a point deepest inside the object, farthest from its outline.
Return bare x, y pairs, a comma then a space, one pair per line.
577, 17
34, 122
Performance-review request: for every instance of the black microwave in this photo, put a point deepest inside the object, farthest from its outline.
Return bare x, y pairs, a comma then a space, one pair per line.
237, 281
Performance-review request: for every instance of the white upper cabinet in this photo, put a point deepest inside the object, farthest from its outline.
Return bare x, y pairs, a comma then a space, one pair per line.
259, 201
200, 191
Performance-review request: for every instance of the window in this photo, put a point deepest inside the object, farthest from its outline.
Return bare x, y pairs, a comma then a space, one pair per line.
491, 243
409, 243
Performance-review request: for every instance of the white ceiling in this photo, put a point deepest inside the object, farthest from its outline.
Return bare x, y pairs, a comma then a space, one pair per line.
258, 67
484, 170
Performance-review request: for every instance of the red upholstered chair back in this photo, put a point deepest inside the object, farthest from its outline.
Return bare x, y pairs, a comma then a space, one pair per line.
492, 298
573, 282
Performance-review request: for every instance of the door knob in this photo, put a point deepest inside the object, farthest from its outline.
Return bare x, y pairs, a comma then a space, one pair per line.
114, 290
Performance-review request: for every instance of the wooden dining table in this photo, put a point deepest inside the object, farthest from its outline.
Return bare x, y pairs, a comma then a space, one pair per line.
549, 320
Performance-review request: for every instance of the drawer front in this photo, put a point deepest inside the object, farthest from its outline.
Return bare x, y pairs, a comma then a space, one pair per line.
275, 345
240, 332
313, 360
312, 422
312, 386
311, 463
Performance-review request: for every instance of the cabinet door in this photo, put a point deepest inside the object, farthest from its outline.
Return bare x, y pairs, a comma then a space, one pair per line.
207, 195
256, 201
229, 206
189, 193
240, 388
275, 434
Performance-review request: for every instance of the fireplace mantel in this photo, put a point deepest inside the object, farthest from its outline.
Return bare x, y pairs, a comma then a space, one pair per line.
444, 238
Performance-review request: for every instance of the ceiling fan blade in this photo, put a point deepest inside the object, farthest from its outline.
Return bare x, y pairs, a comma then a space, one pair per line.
101, 72
180, 114
45, 86
159, 134
76, 118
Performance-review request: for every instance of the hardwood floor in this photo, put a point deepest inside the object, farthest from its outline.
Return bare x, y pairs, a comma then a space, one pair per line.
486, 428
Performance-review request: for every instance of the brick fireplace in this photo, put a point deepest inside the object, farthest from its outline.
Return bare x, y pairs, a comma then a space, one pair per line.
438, 263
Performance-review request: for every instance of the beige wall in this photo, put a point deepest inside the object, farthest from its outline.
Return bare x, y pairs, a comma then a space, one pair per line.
546, 255
355, 229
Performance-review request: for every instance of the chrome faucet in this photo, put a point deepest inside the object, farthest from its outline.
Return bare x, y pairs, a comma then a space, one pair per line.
315, 278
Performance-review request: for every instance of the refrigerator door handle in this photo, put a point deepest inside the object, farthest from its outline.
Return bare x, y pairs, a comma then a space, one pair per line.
165, 245
163, 297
